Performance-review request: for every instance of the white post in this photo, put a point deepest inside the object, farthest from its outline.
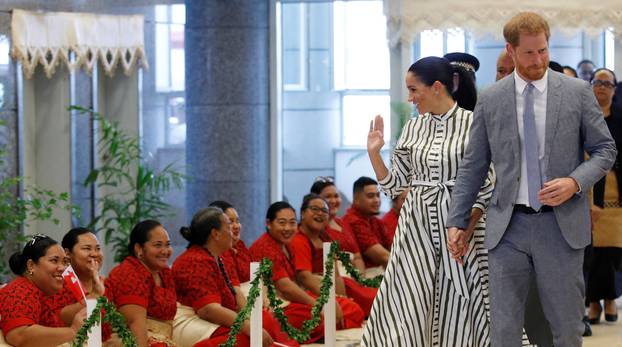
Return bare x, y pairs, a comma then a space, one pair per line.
330, 321
256, 313
95, 336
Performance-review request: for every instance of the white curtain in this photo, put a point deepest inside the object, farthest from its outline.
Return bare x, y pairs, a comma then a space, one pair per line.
407, 18
47, 38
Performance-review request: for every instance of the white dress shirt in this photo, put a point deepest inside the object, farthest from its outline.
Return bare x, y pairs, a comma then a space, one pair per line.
539, 95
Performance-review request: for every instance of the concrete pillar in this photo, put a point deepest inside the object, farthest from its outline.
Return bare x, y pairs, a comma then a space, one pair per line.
227, 107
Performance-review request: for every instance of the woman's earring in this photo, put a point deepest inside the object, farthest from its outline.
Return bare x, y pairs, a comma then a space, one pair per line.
30, 272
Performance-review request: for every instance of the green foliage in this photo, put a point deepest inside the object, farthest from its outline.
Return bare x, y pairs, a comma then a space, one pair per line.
116, 320
404, 112
265, 273
16, 211
132, 191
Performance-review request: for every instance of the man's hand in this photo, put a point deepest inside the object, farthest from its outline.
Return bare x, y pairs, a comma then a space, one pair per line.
457, 243
558, 191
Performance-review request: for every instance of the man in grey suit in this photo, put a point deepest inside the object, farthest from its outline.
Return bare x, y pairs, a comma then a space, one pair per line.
535, 126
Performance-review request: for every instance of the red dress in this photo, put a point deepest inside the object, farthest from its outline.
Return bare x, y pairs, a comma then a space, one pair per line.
200, 281
311, 259
368, 231
130, 283
344, 237
390, 222
297, 313
237, 261
23, 304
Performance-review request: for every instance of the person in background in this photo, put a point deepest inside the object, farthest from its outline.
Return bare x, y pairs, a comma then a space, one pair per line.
604, 273
25, 319
555, 66
238, 258
585, 68
204, 283
86, 258
337, 229
275, 245
505, 65
570, 71
390, 218
142, 286
309, 264
372, 237
465, 65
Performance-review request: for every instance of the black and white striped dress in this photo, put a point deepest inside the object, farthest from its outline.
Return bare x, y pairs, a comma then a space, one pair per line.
426, 298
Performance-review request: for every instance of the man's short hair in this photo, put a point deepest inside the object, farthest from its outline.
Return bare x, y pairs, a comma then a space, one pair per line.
529, 23
361, 183
585, 61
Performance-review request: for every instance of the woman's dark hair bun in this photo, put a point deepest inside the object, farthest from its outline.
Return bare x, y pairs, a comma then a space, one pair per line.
186, 233
17, 265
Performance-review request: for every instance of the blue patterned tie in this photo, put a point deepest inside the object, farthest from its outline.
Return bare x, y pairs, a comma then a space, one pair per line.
530, 139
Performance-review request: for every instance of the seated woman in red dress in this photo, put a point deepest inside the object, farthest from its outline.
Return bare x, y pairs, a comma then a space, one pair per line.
275, 245
337, 230
308, 262
85, 256
204, 284
142, 286
238, 258
25, 319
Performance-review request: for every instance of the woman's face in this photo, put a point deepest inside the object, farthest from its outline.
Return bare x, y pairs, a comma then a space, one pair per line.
283, 227
47, 272
224, 235
156, 252
236, 227
315, 216
85, 252
331, 195
603, 87
421, 95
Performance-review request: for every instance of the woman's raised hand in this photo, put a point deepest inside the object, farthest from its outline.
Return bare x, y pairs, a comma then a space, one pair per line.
375, 138
98, 284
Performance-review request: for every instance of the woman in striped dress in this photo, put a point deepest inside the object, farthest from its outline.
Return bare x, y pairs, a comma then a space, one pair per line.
426, 298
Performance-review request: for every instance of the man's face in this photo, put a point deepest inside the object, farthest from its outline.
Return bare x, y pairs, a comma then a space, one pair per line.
585, 71
368, 201
531, 56
505, 66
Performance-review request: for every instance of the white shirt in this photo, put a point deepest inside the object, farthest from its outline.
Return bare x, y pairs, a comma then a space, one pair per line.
539, 94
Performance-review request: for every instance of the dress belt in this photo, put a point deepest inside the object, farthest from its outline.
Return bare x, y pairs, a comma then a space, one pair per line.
449, 184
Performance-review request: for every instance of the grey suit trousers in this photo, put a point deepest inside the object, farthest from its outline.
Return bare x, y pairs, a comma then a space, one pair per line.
533, 245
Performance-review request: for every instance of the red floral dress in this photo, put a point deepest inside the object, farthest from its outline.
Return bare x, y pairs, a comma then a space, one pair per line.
344, 237
130, 283
22, 304
237, 261
309, 258
200, 281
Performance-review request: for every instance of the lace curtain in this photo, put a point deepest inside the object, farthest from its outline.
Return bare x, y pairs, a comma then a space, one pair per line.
407, 18
48, 38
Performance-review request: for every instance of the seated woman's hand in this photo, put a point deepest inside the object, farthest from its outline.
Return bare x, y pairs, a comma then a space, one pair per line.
98, 283
78, 320
266, 339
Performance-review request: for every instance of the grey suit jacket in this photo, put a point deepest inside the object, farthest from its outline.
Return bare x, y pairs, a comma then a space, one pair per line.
574, 125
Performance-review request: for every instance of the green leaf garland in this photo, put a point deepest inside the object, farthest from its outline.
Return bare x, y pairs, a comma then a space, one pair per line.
116, 320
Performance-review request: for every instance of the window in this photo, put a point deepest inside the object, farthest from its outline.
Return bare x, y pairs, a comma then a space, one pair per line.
361, 67
170, 61
169, 78
295, 46
610, 49
438, 43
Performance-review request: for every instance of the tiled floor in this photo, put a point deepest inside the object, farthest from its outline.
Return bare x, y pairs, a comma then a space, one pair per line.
605, 334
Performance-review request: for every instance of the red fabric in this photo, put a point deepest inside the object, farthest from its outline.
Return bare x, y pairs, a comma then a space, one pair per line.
368, 231
311, 259
390, 223
21, 303
267, 247
130, 283
269, 323
199, 280
344, 237
238, 259
363, 296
